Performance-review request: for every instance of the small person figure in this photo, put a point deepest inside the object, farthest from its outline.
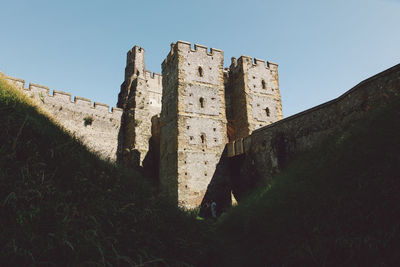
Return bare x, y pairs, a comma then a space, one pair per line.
214, 210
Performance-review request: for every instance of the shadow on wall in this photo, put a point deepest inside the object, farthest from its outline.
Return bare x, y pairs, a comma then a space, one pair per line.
151, 162
131, 157
219, 189
268, 150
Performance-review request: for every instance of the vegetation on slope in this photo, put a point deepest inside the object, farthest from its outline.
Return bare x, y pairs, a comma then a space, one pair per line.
62, 205
338, 205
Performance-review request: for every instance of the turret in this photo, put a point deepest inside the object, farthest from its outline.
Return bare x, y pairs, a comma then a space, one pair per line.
253, 89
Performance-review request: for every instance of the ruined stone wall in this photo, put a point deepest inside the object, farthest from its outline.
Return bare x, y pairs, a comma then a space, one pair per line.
100, 136
140, 97
197, 97
253, 88
269, 149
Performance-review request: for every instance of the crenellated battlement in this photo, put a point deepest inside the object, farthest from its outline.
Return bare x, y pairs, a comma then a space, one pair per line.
253, 62
130, 57
177, 124
200, 104
152, 75
197, 48
187, 47
41, 92
92, 122
20, 83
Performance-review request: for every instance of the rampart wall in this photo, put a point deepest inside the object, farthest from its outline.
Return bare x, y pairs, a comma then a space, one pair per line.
267, 150
94, 124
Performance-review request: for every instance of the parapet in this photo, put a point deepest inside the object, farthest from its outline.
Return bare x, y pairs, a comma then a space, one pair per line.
252, 62
20, 83
152, 75
130, 57
82, 101
62, 97
186, 46
39, 88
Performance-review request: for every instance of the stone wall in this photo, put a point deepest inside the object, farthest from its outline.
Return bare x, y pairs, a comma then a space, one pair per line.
140, 98
195, 96
169, 127
100, 135
258, 157
194, 99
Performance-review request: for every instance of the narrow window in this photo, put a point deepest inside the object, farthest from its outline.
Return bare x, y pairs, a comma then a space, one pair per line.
203, 138
137, 73
201, 100
263, 84
200, 70
267, 111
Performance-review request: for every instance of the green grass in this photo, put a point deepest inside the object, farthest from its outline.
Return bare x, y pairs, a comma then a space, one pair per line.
62, 205
336, 205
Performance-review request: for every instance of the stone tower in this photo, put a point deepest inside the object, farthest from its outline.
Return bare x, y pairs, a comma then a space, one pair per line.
252, 93
193, 121
140, 98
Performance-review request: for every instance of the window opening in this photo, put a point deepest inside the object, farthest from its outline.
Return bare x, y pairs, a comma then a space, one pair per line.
263, 84
267, 112
201, 100
200, 70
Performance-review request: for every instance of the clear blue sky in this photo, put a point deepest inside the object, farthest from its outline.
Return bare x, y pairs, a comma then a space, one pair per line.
323, 48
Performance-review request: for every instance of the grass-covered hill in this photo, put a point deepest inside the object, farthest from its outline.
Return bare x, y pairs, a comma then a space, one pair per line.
60, 205
338, 205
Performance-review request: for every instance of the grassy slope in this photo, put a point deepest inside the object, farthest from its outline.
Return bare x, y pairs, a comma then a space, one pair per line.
338, 205
61, 205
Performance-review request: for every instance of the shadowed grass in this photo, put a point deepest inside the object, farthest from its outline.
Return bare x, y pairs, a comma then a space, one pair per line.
337, 205
62, 205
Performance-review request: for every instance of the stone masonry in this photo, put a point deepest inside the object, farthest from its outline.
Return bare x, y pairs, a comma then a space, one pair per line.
140, 98
175, 126
178, 125
255, 159
193, 130
94, 125
252, 92
185, 136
